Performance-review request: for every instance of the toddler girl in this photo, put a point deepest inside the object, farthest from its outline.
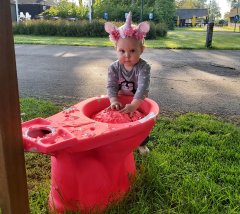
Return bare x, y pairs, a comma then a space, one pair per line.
129, 75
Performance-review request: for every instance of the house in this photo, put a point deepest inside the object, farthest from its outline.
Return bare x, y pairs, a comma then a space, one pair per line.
191, 17
233, 12
31, 8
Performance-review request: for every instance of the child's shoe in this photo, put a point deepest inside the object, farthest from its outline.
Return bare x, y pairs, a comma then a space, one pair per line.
143, 150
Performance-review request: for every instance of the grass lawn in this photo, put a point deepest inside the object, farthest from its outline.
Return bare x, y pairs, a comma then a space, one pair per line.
187, 38
193, 167
216, 29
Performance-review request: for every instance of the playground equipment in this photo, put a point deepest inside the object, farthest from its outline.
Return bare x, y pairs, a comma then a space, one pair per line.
91, 162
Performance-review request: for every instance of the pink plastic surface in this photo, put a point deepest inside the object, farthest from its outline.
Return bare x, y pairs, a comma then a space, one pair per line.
91, 161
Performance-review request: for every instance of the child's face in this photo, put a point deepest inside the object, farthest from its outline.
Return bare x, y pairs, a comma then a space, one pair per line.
129, 51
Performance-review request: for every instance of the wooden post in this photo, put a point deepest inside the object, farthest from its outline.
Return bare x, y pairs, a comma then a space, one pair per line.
13, 185
209, 34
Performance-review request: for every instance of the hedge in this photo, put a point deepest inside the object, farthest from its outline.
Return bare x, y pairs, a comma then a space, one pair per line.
80, 28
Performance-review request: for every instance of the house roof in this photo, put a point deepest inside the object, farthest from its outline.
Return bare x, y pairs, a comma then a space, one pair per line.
233, 12
189, 13
42, 2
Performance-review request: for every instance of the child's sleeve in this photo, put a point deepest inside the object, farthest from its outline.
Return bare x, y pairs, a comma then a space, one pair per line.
143, 82
112, 83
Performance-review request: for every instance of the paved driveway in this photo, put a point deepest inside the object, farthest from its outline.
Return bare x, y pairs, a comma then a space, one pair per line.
206, 81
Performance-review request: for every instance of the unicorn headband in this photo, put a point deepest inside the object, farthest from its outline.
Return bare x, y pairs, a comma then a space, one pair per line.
127, 30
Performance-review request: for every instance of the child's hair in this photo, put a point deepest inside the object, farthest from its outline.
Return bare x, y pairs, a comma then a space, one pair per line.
128, 30
139, 42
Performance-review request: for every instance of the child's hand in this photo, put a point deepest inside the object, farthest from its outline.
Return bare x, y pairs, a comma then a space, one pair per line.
129, 108
116, 105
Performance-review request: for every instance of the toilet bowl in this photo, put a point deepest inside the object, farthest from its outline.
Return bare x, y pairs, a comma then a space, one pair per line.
92, 163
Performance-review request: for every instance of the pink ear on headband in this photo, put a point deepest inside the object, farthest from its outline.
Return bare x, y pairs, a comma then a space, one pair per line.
109, 27
127, 30
144, 27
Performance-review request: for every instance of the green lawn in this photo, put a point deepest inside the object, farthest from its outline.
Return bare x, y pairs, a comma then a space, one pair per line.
193, 167
187, 38
196, 40
216, 29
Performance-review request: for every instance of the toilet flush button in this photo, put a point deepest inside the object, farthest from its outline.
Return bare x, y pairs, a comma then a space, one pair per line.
39, 132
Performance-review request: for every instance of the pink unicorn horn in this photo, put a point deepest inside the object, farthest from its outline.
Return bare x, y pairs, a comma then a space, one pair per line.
128, 23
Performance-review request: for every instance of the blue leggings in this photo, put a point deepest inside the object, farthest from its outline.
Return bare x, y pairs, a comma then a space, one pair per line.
144, 143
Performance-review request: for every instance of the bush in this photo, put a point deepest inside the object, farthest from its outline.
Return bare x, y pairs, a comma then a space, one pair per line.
95, 29
81, 28
161, 29
60, 28
152, 33
44, 28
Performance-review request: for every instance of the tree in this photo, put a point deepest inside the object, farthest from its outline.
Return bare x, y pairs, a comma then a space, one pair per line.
165, 11
214, 10
234, 3
65, 9
191, 4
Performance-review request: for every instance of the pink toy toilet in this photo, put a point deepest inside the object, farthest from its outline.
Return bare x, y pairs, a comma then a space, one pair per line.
91, 162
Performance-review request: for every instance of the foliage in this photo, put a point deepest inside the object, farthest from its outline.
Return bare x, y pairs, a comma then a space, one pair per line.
222, 22
161, 29
76, 28
214, 10
191, 4
38, 171
163, 10
66, 9
37, 165
60, 28
116, 11
32, 108
193, 168
152, 33
234, 3
157, 30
